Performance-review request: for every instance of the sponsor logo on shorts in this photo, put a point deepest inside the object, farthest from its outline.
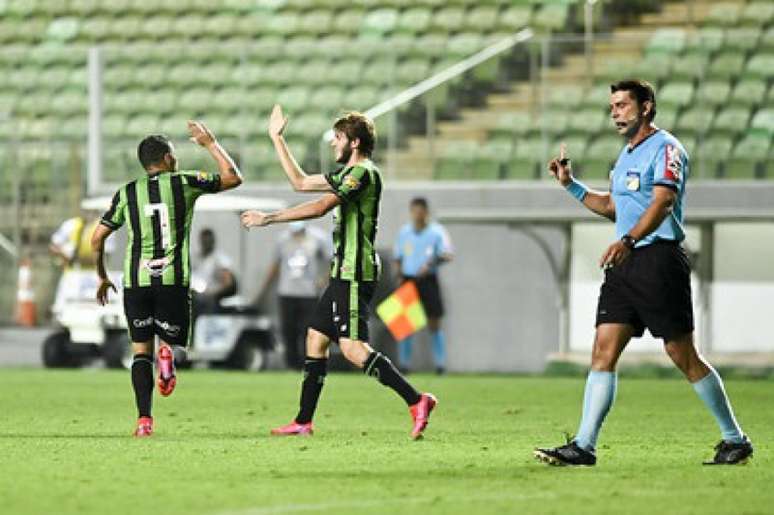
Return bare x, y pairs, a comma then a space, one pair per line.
170, 329
140, 323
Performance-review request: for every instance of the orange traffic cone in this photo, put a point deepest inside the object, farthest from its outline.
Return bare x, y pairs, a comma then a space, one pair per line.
26, 311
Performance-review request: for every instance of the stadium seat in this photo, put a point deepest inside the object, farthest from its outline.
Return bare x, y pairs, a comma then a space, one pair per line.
668, 41
712, 154
481, 19
689, 66
767, 40
600, 156
380, 21
731, 120
676, 94
760, 66
749, 92
763, 121
414, 21
565, 96
724, 14
491, 159
456, 160
449, 19
695, 121
514, 17
551, 16
749, 158
726, 66
516, 123
527, 158
713, 93
587, 121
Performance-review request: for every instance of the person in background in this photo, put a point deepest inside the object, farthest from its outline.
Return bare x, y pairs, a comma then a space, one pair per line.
213, 277
71, 242
300, 268
422, 246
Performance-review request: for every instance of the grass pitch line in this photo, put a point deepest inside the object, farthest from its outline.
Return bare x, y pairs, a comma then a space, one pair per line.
374, 503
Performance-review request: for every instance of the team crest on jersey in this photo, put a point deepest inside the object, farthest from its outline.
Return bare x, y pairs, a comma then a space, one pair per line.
674, 164
201, 176
351, 182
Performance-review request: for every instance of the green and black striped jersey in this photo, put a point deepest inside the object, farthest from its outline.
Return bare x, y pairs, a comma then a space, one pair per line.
159, 209
355, 222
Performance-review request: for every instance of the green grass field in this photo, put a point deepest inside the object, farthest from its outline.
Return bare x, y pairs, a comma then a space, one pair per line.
65, 448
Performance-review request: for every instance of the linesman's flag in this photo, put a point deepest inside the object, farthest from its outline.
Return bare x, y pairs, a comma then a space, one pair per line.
402, 312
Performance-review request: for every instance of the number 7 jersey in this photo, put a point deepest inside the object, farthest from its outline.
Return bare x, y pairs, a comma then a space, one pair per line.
159, 210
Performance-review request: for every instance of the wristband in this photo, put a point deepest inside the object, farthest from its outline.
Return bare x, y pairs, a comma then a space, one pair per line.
577, 189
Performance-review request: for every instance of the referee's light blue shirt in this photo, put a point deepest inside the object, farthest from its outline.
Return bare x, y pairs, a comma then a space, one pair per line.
413, 249
660, 159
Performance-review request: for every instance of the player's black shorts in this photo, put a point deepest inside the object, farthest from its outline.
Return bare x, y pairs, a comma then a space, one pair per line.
343, 310
158, 310
651, 288
429, 294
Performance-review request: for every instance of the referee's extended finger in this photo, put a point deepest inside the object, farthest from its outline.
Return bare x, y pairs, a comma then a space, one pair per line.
562, 151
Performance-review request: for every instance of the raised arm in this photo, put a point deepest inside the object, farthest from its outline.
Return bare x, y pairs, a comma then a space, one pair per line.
305, 211
599, 202
101, 233
300, 180
230, 176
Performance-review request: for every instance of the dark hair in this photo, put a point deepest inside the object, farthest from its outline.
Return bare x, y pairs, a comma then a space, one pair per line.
641, 90
358, 126
152, 150
418, 201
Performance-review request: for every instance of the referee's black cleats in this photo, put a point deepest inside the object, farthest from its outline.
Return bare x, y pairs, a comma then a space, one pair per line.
728, 453
568, 454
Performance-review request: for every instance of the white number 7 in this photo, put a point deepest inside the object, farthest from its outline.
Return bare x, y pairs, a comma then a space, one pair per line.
162, 211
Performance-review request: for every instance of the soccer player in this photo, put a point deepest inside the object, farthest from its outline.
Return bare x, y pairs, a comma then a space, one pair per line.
647, 273
421, 247
159, 208
353, 192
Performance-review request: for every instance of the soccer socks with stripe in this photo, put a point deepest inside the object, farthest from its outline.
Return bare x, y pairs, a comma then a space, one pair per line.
142, 382
315, 370
710, 389
379, 366
405, 349
438, 341
597, 401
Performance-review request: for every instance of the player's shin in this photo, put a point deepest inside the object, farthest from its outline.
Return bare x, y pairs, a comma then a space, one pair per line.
315, 370
142, 382
710, 389
597, 401
379, 366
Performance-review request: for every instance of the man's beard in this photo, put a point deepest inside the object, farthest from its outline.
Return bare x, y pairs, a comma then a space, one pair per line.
345, 155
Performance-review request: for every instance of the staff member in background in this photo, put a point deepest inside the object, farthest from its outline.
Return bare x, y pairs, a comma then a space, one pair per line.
213, 278
71, 242
421, 247
301, 267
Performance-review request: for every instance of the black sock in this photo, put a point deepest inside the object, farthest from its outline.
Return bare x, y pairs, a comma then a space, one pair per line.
142, 381
379, 366
315, 370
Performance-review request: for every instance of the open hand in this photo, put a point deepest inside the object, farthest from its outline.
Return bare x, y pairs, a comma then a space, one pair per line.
277, 122
200, 134
254, 219
559, 167
102, 291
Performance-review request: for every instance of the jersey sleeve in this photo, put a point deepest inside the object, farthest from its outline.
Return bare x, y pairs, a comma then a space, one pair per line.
203, 182
349, 185
443, 243
397, 251
115, 216
671, 165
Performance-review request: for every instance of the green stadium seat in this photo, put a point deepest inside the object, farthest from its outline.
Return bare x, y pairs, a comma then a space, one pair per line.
576, 147
713, 93
69, 103
551, 16
666, 41
448, 19
654, 67
347, 71
760, 66
600, 156
415, 20
726, 66
229, 98
282, 24
695, 121
491, 159
281, 72
742, 39
749, 158
141, 125
327, 99
749, 92
114, 126
347, 22
706, 40
689, 66
455, 160
552, 122
515, 17
763, 121
732, 120
194, 100
724, 14
528, 158
53, 77
511, 124
464, 45
316, 22
430, 45
380, 72
63, 29
294, 98
481, 19
597, 97
676, 94
413, 71
362, 98
588, 121
566, 96
380, 21
767, 40
757, 13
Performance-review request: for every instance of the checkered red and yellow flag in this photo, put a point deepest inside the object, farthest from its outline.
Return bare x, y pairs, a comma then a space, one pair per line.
402, 312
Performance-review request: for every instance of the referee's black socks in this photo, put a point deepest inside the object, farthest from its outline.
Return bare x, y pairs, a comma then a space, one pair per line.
142, 382
379, 366
315, 370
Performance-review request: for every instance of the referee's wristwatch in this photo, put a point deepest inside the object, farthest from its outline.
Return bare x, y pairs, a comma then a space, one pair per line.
629, 241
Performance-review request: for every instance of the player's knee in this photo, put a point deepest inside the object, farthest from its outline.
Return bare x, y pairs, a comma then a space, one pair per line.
604, 357
142, 348
316, 344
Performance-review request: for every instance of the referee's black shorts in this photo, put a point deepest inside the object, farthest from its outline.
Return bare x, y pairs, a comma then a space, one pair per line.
158, 310
429, 294
650, 289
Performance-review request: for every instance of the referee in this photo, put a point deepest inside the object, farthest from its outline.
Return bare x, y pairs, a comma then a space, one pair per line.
422, 246
647, 273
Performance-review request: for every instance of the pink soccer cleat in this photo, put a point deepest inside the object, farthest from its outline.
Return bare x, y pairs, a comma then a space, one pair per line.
144, 427
167, 379
420, 412
294, 429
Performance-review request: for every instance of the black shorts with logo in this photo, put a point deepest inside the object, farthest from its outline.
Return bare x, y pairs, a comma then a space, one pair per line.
651, 288
343, 310
158, 310
429, 294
